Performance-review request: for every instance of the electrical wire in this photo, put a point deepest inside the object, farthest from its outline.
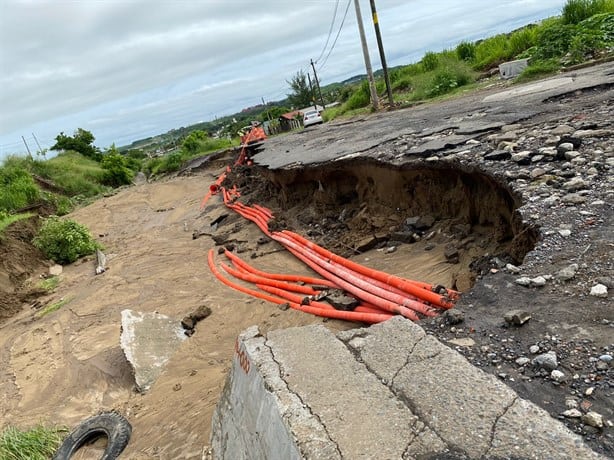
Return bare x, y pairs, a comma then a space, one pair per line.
338, 32
330, 31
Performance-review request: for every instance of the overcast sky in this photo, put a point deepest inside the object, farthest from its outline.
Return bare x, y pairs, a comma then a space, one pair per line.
128, 69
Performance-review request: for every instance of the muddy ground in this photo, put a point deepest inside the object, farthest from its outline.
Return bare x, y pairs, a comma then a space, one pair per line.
474, 224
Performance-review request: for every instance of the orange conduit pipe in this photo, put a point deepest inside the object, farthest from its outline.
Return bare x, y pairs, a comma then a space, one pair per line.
370, 318
306, 290
365, 286
356, 291
239, 263
392, 280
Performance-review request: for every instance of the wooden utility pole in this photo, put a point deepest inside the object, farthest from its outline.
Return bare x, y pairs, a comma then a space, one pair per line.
313, 99
365, 53
315, 76
27, 148
382, 56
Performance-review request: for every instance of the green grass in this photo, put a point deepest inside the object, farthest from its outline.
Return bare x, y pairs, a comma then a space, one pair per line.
37, 443
538, 69
53, 307
49, 284
576, 11
8, 219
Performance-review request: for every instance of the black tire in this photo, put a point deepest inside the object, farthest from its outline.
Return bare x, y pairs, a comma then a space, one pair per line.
110, 424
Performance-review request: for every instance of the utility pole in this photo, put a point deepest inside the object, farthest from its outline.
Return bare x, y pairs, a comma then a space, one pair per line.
365, 53
27, 148
315, 76
382, 56
39, 146
267, 112
313, 99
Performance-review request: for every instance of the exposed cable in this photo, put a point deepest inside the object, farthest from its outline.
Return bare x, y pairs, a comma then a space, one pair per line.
330, 31
338, 32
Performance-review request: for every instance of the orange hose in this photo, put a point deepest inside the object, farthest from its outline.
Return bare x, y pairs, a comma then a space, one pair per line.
282, 277
365, 286
400, 283
307, 290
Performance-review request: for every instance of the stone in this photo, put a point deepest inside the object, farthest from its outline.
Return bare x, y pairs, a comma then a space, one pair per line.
564, 232
599, 290
567, 273
524, 281
593, 419
575, 184
572, 154
497, 155
572, 413
534, 349
522, 158
605, 358
451, 254
512, 268
338, 299
557, 376
546, 361
424, 222
454, 316
562, 129
537, 172
573, 198
517, 317
55, 270
538, 281
537, 158
523, 361
463, 342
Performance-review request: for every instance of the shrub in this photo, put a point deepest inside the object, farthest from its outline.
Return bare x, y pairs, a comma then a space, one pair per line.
64, 240
554, 41
538, 69
576, 11
361, 97
585, 45
447, 79
402, 84
430, 61
116, 171
465, 51
492, 51
522, 40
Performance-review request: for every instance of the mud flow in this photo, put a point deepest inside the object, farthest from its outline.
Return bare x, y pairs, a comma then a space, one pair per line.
358, 205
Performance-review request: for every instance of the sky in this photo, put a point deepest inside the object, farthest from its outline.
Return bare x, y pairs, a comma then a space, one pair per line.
129, 69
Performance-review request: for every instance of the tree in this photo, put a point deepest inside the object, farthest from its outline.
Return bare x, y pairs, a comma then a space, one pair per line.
116, 168
82, 141
301, 94
192, 143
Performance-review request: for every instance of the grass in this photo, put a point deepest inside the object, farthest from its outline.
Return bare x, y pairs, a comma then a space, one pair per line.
49, 284
53, 307
8, 219
576, 11
37, 443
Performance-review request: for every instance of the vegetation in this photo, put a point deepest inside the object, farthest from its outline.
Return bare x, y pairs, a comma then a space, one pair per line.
81, 141
49, 284
7, 219
53, 307
64, 240
38, 443
301, 92
116, 169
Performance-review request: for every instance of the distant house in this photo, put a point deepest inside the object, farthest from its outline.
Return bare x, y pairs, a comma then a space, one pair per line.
291, 120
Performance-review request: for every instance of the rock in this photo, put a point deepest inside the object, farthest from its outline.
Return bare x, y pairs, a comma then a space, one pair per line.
571, 403
517, 317
605, 358
404, 237
534, 349
283, 306
390, 249
522, 158
340, 300
589, 391
593, 419
451, 254
575, 184
557, 376
462, 342
454, 316
572, 154
523, 361
537, 158
572, 413
584, 133
425, 222
575, 141
139, 178
546, 361
369, 242
189, 322
497, 155
573, 198
524, 281
562, 129
538, 281
567, 273
512, 268
564, 147
55, 270
537, 172
564, 232
599, 290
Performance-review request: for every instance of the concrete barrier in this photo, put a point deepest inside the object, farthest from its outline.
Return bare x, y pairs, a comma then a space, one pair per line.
389, 391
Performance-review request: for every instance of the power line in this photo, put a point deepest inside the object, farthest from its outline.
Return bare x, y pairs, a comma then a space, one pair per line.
330, 31
338, 32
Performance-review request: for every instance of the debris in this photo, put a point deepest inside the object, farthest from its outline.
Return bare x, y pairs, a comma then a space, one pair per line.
572, 413
599, 290
517, 317
557, 376
55, 270
190, 321
454, 316
101, 262
567, 273
593, 419
340, 300
546, 361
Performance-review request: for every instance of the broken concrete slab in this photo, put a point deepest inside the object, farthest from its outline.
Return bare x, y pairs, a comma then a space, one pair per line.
148, 341
512, 69
438, 144
387, 391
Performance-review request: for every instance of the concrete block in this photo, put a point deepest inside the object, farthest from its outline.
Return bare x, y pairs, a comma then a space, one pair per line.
512, 69
148, 341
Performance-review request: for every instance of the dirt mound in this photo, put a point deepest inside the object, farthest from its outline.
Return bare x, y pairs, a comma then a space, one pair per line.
19, 260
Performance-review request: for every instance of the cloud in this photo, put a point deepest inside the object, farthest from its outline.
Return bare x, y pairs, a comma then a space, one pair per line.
128, 67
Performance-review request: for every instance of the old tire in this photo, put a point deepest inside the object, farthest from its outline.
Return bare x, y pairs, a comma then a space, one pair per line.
110, 424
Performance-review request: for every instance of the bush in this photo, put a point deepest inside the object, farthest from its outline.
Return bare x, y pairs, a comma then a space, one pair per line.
576, 11
402, 84
586, 44
465, 51
538, 69
554, 41
116, 171
361, 97
522, 40
64, 240
430, 61
447, 79
492, 52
